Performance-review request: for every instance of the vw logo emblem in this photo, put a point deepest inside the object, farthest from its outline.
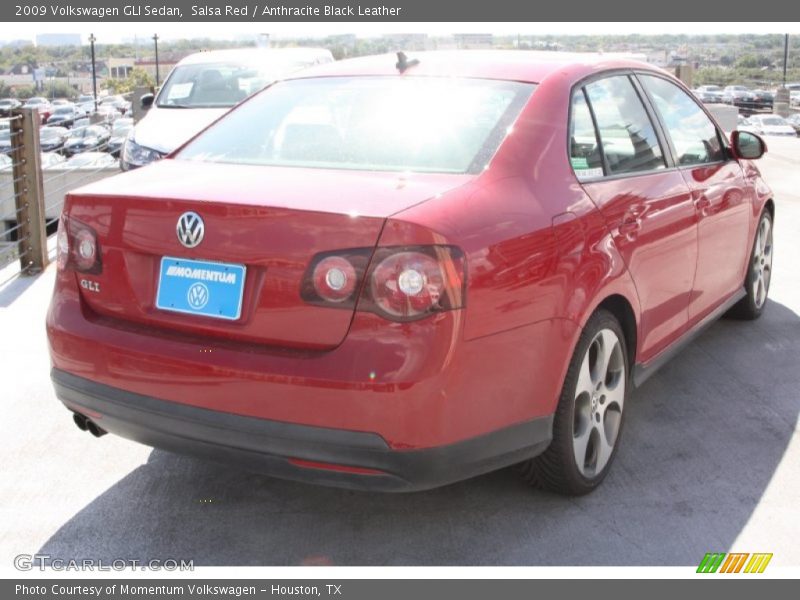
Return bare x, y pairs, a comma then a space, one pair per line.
190, 229
197, 296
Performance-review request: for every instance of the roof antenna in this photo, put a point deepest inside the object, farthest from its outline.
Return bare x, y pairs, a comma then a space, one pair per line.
403, 63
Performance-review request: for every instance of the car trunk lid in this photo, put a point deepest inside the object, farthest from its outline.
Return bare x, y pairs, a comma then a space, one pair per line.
271, 221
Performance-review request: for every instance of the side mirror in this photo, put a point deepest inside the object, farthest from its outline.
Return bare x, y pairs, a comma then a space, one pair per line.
747, 145
146, 101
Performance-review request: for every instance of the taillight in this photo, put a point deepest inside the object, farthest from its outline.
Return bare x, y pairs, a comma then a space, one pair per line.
77, 246
402, 283
62, 244
335, 279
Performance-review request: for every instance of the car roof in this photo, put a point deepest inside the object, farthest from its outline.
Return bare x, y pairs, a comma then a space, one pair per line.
257, 54
514, 65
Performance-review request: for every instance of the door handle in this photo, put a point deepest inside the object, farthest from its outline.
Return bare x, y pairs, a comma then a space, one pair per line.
632, 221
702, 204
630, 227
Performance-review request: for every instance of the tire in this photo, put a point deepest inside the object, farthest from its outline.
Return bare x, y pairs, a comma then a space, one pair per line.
759, 273
590, 413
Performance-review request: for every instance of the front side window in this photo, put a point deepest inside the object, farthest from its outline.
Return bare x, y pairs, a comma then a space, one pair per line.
628, 137
694, 136
430, 124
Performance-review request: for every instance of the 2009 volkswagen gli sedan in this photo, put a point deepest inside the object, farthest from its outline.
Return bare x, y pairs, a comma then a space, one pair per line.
395, 273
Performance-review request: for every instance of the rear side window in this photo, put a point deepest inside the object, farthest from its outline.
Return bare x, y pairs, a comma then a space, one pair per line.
584, 151
692, 133
627, 135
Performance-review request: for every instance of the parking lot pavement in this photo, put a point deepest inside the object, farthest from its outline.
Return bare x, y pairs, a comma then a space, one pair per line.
709, 462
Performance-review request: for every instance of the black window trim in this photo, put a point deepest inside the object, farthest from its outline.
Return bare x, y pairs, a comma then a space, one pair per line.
667, 149
607, 176
598, 140
663, 139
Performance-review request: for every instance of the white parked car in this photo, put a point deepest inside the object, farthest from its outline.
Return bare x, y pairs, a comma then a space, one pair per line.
51, 159
88, 160
709, 94
201, 88
769, 125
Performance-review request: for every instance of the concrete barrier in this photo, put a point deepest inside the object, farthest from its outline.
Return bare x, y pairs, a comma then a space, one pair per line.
727, 116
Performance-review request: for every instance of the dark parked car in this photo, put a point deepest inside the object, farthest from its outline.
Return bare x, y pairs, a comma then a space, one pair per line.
763, 99
85, 103
85, 139
5, 141
7, 105
52, 138
412, 272
794, 121
739, 95
119, 133
64, 115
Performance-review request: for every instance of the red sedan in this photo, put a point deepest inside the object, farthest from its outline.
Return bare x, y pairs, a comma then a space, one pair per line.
398, 272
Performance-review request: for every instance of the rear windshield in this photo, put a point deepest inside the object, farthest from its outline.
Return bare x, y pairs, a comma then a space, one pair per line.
367, 123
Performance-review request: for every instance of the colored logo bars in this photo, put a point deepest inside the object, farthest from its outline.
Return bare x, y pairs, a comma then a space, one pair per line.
734, 562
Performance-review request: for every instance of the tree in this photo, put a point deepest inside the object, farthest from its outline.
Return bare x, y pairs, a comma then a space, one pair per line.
748, 61
137, 78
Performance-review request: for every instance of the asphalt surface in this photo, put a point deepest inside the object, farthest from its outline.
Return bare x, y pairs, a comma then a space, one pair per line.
709, 462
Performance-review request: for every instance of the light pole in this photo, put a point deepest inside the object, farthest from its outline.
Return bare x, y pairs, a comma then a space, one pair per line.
155, 42
785, 56
92, 40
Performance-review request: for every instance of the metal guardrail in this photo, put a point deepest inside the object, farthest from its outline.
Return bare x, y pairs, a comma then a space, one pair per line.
31, 198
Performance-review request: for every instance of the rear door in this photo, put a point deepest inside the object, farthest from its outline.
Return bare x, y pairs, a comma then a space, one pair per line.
719, 193
645, 201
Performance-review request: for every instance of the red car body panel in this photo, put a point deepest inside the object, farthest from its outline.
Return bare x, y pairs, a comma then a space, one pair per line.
653, 226
282, 214
542, 251
724, 229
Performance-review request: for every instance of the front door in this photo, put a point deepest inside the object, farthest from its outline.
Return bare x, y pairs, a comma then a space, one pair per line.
718, 190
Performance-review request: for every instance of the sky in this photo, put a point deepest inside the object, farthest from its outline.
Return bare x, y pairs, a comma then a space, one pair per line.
116, 32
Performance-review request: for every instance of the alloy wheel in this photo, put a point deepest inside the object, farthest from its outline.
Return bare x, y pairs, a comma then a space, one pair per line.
599, 401
762, 263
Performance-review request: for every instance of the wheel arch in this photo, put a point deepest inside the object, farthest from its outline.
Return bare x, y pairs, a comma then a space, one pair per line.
619, 306
769, 205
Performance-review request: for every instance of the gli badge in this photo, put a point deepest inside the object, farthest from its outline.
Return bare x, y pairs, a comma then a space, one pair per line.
90, 286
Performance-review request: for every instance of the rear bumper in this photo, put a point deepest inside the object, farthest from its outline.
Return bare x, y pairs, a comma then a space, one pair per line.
351, 459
